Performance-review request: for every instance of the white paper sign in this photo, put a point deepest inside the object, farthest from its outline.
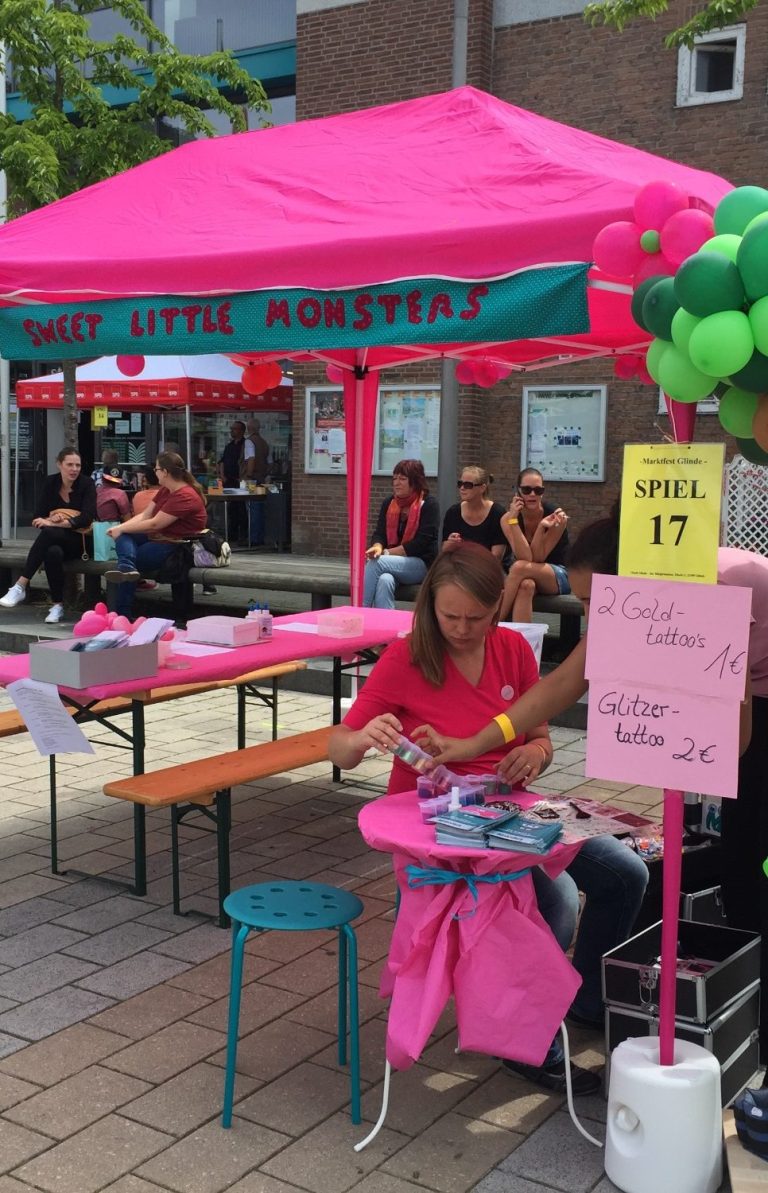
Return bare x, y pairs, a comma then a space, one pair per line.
50, 726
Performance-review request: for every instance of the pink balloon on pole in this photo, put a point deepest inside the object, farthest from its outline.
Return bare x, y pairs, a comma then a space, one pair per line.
684, 233
130, 366
617, 249
625, 367
652, 264
656, 202
644, 377
465, 372
334, 374
274, 374
486, 374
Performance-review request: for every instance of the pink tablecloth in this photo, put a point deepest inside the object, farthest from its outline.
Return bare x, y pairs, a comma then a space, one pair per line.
381, 626
491, 950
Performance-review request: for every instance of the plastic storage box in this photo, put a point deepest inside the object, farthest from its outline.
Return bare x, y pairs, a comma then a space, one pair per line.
56, 662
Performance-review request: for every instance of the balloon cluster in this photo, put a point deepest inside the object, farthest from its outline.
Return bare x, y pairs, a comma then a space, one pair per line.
632, 365
710, 321
484, 373
665, 230
97, 619
257, 378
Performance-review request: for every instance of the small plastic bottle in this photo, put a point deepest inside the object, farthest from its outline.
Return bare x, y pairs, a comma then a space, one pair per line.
265, 631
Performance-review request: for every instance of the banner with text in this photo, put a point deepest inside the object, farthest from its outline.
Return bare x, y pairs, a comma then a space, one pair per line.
666, 664
670, 511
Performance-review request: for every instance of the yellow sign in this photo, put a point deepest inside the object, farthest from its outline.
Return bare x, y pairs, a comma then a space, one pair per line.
99, 417
670, 511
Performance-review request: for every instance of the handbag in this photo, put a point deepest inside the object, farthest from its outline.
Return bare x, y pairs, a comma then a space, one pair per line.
81, 530
211, 550
104, 547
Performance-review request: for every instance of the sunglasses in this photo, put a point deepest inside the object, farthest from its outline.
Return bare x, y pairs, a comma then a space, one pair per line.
469, 484
526, 490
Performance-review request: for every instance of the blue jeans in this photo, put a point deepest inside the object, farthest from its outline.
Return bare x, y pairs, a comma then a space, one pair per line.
613, 879
136, 552
382, 576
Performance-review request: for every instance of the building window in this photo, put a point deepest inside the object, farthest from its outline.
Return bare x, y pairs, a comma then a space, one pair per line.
712, 70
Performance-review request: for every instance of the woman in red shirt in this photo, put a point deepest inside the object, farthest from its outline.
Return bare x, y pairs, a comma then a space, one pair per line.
143, 543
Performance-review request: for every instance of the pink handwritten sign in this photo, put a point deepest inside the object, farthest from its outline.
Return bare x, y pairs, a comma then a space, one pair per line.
667, 664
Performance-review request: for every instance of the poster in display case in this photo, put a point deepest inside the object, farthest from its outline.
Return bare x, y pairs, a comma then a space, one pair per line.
564, 431
407, 427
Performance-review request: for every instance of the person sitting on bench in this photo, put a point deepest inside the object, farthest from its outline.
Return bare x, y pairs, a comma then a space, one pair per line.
536, 532
405, 539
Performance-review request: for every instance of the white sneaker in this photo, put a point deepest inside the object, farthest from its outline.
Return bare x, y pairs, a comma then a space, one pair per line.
14, 596
55, 615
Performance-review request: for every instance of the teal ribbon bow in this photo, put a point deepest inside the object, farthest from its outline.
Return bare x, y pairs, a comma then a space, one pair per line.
419, 876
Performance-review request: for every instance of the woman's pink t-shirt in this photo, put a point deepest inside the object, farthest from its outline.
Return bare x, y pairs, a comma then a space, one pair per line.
457, 708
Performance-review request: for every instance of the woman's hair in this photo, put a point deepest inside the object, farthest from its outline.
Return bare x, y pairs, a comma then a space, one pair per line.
483, 475
67, 451
597, 546
472, 568
150, 476
413, 470
525, 472
173, 464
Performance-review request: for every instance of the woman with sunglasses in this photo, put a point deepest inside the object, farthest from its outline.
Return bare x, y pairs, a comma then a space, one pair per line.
536, 532
405, 539
476, 518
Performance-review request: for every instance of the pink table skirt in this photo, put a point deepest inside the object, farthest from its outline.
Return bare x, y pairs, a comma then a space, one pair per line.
488, 947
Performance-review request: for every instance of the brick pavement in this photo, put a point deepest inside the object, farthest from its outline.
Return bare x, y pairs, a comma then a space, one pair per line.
113, 1011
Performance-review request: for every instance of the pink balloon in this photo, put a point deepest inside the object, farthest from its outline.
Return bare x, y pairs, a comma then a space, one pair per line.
684, 233
617, 250
503, 371
652, 263
111, 619
486, 374
90, 623
625, 367
334, 374
644, 377
656, 202
121, 623
465, 372
168, 636
130, 366
101, 608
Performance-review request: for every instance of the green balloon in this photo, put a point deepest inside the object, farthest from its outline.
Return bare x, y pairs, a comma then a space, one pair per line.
679, 378
727, 243
758, 318
707, 283
754, 375
722, 343
752, 260
752, 451
754, 223
650, 241
683, 325
638, 298
738, 207
736, 411
659, 309
653, 357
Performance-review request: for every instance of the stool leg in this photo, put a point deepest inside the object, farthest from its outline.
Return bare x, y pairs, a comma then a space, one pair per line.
239, 934
354, 1025
341, 1034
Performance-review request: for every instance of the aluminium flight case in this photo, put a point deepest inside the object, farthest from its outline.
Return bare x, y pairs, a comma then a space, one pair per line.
732, 1036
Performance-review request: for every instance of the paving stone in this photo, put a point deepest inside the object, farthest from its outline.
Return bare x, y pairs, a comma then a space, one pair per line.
94, 1157
9, 1184
133, 975
504, 1182
198, 945
76, 1102
420, 1096
12, 1090
17, 1144
21, 863
167, 1052
186, 1101
130, 1184
323, 1160
321, 1011
274, 1049
43, 1016
210, 1159
28, 914
71, 1050
308, 975
511, 1103
259, 1005
107, 948
380, 1182
146, 1013
453, 1153
165, 919
98, 917
10, 1044
255, 1182
574, 1168
42, 976
298, 1100
83, 892
212, 978
36, 942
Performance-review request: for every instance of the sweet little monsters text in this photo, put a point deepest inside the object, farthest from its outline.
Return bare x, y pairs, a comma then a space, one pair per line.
362, 310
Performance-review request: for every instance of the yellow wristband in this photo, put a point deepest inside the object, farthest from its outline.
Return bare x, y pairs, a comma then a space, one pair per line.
512, 521
506, 727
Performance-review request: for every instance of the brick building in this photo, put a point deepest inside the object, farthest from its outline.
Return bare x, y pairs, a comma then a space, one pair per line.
705, 108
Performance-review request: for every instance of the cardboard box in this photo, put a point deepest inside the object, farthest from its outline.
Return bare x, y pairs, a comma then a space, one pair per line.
219, 630
56, 662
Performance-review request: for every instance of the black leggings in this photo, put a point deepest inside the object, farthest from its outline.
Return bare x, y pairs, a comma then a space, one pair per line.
51, 547
745, 848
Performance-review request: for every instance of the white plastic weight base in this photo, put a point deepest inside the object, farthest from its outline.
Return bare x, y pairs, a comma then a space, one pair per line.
664, 1127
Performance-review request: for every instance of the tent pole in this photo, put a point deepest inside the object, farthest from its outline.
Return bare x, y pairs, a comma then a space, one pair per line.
16, 478
188, 424
5, 371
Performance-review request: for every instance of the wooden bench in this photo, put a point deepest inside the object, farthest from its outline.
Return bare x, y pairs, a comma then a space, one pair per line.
206, 785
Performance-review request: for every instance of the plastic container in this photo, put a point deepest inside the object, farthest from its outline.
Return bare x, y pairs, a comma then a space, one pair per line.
335, 624
533, 632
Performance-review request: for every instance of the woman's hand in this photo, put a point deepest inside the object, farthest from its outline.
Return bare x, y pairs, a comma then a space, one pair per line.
39, 523
454, 537
374, 552
557, 518
442, 748
523, 764
382, 733
114, 532
516, 506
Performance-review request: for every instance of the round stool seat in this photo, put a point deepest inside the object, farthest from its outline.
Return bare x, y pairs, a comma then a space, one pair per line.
292, 906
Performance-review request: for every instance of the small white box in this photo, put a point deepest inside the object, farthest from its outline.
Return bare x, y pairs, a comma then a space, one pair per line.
56, 662
219, 630
335, 624
533, 632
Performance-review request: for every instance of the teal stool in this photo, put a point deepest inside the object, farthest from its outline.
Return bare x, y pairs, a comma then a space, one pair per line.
296, 907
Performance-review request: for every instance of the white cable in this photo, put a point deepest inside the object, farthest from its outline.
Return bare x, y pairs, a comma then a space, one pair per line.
569, 1091
380, 1120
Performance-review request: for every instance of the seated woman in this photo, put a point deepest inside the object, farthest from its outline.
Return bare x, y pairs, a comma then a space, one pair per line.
67, 506
176, 512
455, 668
536, 532
405, 540
476, 518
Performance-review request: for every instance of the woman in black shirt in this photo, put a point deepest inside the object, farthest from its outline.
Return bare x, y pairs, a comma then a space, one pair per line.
536, 532
476, 519
405, 540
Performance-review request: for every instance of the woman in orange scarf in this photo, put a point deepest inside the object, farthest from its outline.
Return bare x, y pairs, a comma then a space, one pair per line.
405, 541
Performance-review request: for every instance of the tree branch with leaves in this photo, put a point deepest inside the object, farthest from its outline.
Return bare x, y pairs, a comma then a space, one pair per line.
715, 14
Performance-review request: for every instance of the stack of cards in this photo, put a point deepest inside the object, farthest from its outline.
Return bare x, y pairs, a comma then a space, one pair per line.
470, 826
525, 834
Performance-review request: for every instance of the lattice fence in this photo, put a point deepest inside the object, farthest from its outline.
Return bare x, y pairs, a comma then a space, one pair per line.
745, 508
